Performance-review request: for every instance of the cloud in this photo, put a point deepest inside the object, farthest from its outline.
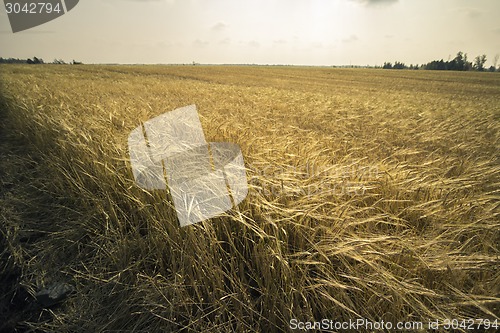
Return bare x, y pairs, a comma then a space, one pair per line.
350, 39
474, 13
254, 43
279, 42
225, 41
376, 2
164, 44
170, 2
471, 13
219, 26
200, 43
143, 2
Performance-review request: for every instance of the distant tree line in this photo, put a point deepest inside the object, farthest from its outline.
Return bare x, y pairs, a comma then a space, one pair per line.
398, 65
36, 61
459, 63
12, 61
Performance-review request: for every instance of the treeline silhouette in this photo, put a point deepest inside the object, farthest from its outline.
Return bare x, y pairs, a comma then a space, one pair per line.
459, 63
36, 61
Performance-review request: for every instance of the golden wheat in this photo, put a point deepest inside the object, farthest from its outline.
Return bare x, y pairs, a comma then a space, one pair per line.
373, 194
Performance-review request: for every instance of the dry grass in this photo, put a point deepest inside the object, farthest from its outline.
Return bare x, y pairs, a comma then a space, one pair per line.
374, 194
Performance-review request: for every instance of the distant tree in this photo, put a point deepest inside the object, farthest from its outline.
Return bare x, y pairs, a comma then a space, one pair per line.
451, 65
399, 65
12, 61
468, 64
460, 61
431, 65
35, 61
76, 62
436, 65
479, 62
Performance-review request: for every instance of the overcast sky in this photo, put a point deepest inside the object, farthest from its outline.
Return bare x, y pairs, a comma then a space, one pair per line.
301, 32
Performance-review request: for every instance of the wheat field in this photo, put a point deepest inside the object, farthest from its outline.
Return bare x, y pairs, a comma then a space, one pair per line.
373, 194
